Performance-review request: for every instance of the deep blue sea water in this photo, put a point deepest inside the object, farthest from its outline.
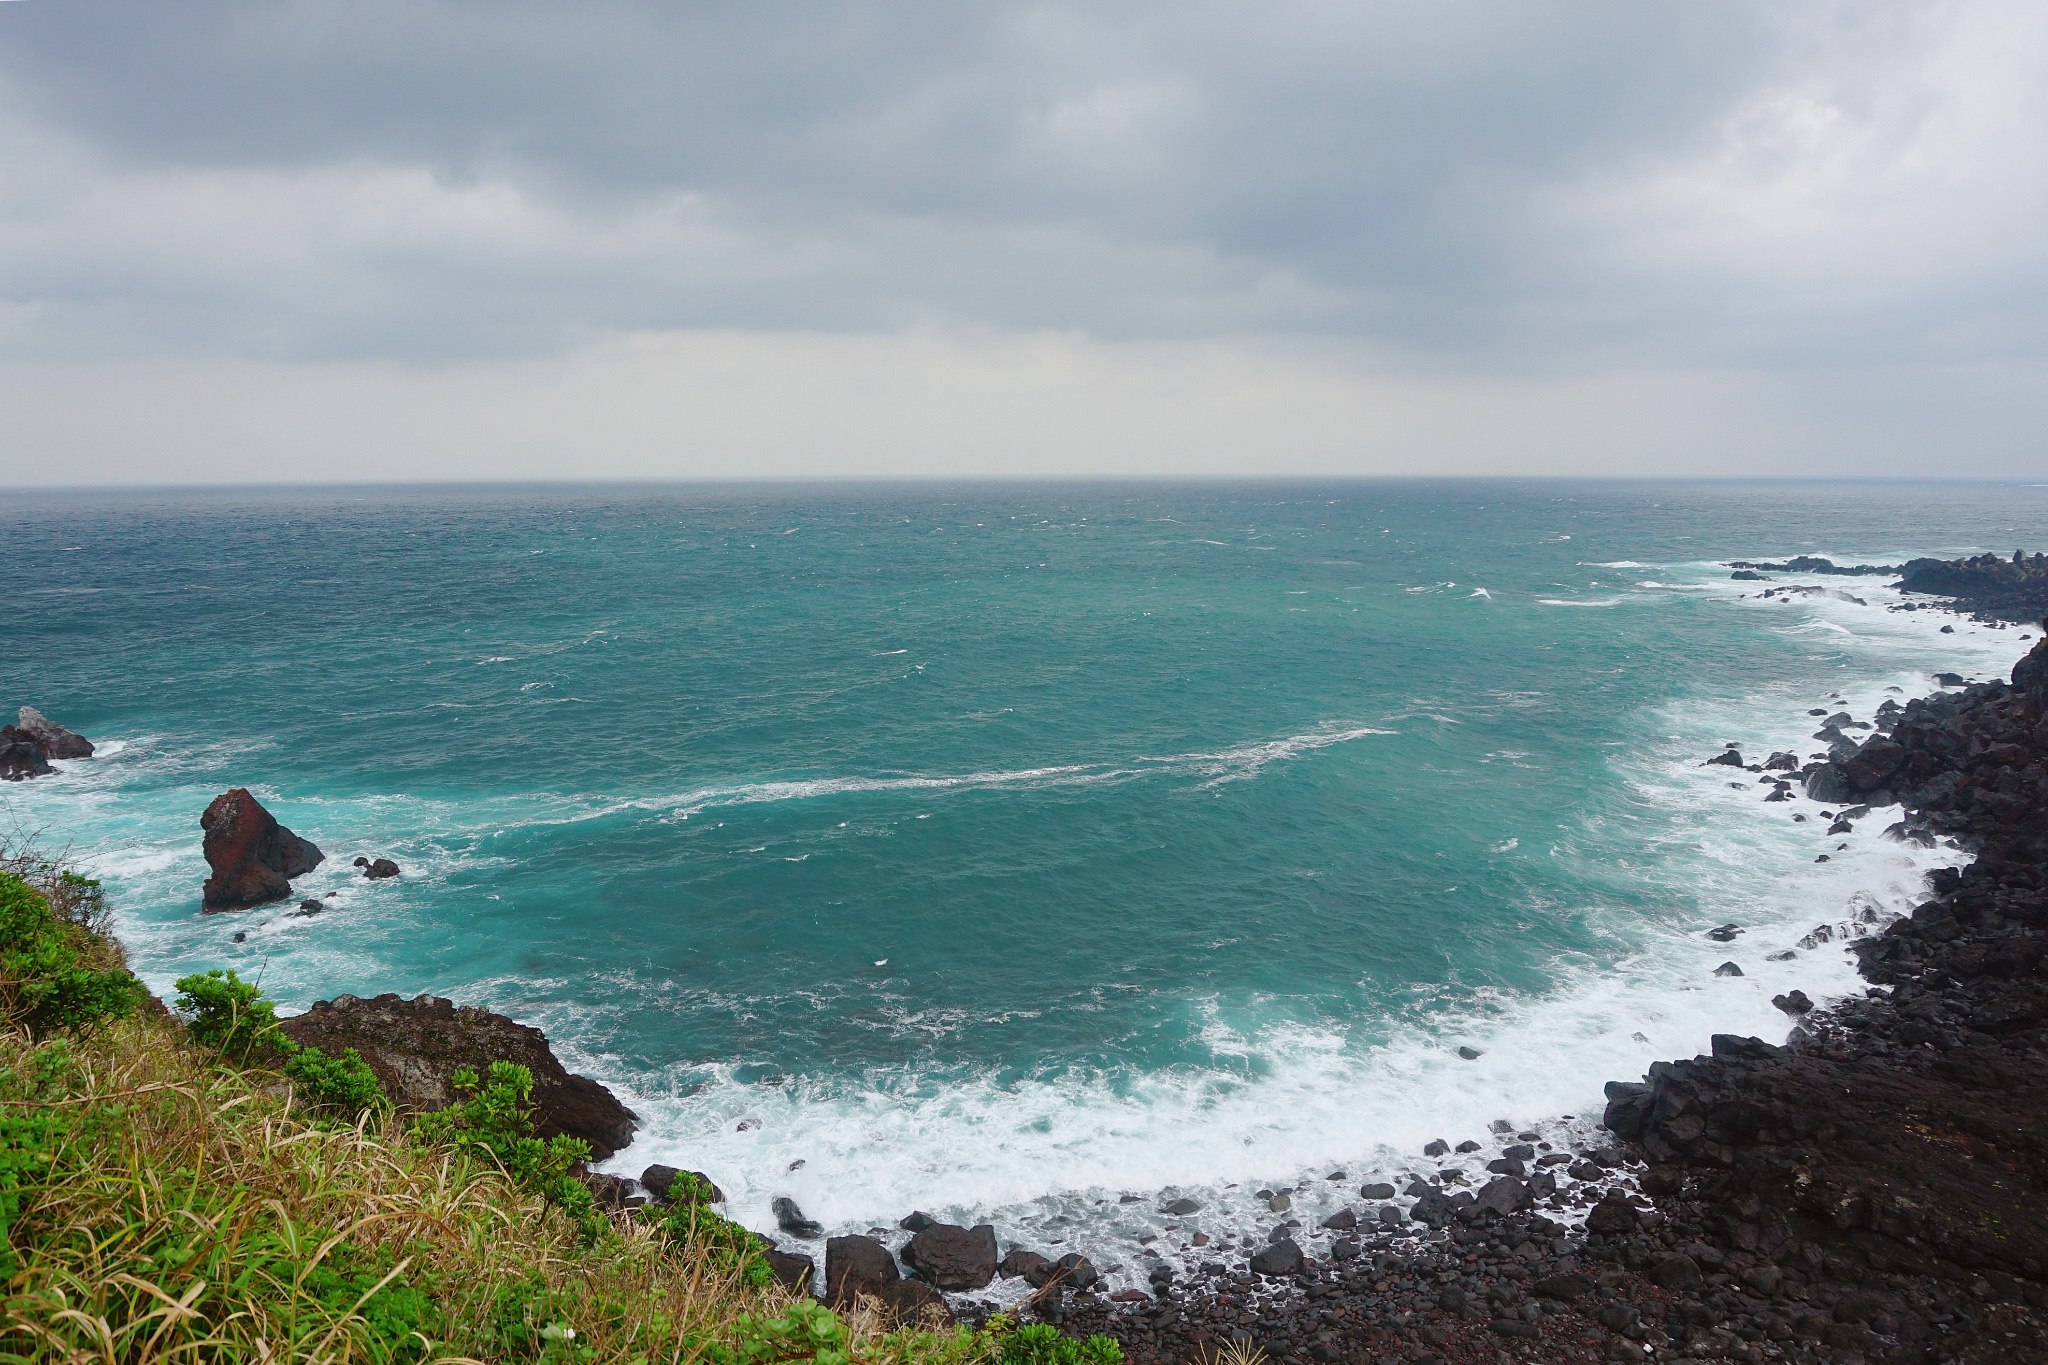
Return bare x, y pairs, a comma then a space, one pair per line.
1001, 849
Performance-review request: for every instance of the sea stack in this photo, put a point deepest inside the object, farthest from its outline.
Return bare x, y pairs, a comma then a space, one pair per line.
252, 856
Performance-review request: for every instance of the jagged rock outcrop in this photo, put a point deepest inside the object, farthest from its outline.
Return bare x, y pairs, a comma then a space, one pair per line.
57, 741
1905, 1133
1988, 586
253, 857
22, 756
416, 1046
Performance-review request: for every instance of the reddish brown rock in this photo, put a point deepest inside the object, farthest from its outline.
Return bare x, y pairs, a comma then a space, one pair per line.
252, 856
416, 1046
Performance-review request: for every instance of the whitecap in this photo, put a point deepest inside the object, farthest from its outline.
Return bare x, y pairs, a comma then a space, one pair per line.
1579, 602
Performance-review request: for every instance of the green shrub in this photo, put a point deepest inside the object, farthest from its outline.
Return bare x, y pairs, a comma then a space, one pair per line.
228, 1014
689, 1222
497, 1116
1042, 1344
805, 1331
343, 1083
46, 979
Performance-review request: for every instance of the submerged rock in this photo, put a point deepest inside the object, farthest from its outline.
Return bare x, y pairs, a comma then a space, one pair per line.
416, 1046
253, 857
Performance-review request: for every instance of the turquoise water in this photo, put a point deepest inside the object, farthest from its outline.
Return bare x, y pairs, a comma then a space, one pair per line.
998, 848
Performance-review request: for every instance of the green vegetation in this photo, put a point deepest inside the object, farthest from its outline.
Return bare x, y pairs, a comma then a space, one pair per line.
196, 1187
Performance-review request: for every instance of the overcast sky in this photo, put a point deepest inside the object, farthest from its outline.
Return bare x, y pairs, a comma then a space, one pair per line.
308, 240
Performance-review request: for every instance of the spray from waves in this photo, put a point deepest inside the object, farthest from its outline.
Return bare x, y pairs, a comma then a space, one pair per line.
1227, 765
1280, 1100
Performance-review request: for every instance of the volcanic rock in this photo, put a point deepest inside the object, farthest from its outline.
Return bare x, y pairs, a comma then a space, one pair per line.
22, 756
57, 741
791, 1219
416, 1046
857, 1267
252, 856
953, 1257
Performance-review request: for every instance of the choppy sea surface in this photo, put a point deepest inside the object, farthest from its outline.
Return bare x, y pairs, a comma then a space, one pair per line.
1004, 850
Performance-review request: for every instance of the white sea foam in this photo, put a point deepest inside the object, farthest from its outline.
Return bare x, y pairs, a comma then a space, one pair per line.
1579, 601
1046, 1160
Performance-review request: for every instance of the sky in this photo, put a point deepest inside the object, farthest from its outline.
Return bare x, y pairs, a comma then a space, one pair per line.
314, 241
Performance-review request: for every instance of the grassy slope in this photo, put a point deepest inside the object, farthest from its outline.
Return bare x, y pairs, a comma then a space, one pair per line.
162, 1205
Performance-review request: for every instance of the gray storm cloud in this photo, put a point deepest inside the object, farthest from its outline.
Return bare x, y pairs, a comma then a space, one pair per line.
1503, 189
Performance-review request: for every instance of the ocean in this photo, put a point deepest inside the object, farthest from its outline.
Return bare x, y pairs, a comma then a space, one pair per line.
1002, 850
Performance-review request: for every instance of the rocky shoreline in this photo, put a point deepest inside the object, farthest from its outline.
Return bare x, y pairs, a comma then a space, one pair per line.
1874, 1190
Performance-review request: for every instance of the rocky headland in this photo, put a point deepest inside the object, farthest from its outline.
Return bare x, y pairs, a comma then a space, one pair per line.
416, 1046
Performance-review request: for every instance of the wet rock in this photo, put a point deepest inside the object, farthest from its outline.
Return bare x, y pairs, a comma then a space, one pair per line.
1731, 758
1727, 933
857, 1267
1181, 1208
1470, 1054
917, 1221
1343, 1220
1077, 1270
56, 741
1793, 1002
1436, 1147
1727, 969
791, 1219
416, 1046
377, 869
1502, 1196
21, 756
1027, 1264
952, 1257
1278, 1260
1379, 1189
253, 857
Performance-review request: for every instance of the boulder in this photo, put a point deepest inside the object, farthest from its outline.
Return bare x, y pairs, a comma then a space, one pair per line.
1433, 1208
1677, 1273
416, 1046
1565, 1288
57, 741
1181, 1208
1343, 1220
1612, 1215
1281, 1259
21, 756
253, 857
909, 1303
1029, 1264
952, 1257
1077, 1270
1379, 1189
916, 1221
1503, 1196
791, 1219
857, 1267
792, 1271
377, 869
